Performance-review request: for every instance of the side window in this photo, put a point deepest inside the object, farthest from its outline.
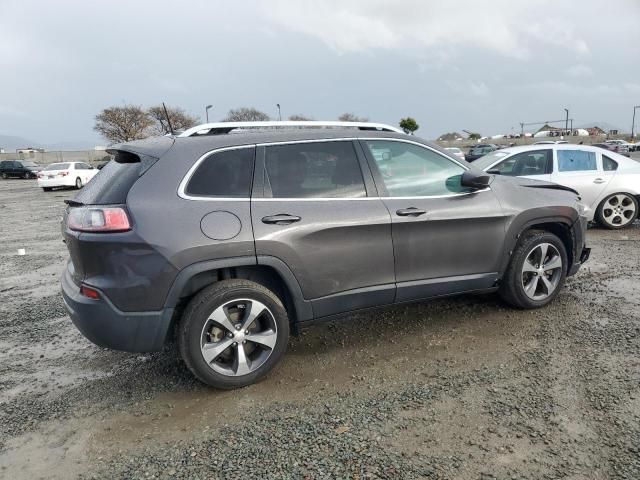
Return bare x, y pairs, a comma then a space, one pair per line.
409, 170
83, 166
608, 164
224, 174
79, 166
576, 161
537, 162
314, 170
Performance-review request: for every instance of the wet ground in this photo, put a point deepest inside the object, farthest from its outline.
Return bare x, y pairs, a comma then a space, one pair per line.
463, 388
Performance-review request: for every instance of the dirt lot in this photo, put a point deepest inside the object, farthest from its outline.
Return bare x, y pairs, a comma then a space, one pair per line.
463, 388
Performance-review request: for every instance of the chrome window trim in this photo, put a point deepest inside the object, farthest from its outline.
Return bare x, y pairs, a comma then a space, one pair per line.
185, 180
191, 171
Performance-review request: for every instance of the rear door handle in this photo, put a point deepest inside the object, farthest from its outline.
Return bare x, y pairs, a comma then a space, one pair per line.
599, 180
281, 219
410, 212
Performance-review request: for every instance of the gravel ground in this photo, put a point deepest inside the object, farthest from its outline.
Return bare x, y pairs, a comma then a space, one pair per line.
464, 388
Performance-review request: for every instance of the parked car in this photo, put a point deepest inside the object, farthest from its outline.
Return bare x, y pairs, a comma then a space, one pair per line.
234, 240
608, 183
66, 174
623, 146
614, 147
456, 152
19, 168
478, 151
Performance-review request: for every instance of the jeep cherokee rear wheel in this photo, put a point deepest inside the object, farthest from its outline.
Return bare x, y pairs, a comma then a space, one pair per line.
536, 272
233, 333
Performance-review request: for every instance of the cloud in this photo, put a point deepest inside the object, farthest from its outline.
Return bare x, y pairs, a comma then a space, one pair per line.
579, 70
418, 26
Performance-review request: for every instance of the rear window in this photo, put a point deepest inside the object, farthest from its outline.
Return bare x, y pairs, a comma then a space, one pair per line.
112, 184
314, 170
57, 166
227, 173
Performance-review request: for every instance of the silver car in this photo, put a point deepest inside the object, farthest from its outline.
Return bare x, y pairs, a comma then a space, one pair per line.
608, 183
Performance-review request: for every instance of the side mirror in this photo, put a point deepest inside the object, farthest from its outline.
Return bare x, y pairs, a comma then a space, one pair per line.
494, 172
475, 181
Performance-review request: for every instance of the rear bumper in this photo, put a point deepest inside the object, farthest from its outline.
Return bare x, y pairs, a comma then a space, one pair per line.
107, 326
57, 182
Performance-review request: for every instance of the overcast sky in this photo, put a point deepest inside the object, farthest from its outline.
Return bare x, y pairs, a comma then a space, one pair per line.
457, 64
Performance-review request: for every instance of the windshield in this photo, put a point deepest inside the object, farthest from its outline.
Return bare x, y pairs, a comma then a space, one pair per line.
453, 149
29, 164
491, 158
57, 166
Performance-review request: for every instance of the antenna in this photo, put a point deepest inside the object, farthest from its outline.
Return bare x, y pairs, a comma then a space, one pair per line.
168, 119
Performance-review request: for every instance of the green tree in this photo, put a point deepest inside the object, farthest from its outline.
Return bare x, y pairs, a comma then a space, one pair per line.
451, 136
475, 136
409, 125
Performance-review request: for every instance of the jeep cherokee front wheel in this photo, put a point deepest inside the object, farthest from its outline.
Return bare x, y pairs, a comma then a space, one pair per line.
233, 333
536, 272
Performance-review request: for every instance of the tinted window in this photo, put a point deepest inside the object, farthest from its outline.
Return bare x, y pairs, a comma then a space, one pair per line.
410, 170
576, 161
608, 164
314, 170
29, 164
224, 174
537, 162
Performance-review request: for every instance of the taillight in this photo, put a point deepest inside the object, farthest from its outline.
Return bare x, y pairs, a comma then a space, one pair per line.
89, 292
63, 174
98, 219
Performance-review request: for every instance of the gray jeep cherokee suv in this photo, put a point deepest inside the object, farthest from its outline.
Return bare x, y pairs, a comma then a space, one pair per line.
230, 238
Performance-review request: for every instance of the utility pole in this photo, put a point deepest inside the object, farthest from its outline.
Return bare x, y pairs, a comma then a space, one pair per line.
633, 123
279, 112
566, 122
522, 129
206, 112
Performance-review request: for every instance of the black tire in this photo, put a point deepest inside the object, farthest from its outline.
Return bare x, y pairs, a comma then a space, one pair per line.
46, 189
512, 288
600, 212
78, 183
196, 315
26, 176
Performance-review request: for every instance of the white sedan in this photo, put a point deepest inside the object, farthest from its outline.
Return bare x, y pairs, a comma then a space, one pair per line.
456, 152
608, 182
67, 174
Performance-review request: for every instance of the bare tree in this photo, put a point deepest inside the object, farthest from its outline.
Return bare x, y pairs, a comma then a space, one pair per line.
123, 124
298, 117
246, 114
352, 117
180, 120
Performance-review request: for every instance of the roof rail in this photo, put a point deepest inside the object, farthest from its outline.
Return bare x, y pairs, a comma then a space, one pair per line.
226, 127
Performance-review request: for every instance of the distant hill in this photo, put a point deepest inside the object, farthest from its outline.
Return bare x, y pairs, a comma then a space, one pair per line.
10, 143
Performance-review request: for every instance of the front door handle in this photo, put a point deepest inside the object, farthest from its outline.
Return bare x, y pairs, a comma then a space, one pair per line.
599, 180
410, 212
281, 219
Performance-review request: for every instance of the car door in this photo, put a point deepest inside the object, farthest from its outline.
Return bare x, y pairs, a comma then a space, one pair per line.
535, 164
581, 170
446, 239
315, 208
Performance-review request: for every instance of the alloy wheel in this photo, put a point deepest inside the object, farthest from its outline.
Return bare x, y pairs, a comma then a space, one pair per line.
618, 210
238, 337
541, 271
